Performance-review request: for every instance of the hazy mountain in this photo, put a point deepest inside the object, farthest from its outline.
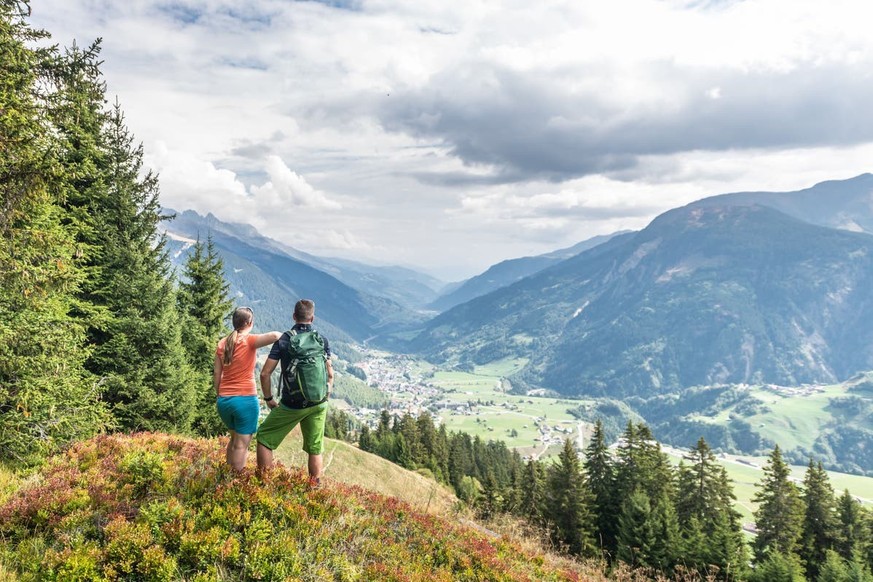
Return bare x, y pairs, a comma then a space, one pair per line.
844, 204
703, 295
264, 276
407, 287
508, 272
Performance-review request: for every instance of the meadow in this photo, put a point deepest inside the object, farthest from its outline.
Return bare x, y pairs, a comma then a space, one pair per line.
791, 417
495, 414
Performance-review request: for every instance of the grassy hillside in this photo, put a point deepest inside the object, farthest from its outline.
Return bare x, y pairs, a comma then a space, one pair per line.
830, 423
161, 507
348, 464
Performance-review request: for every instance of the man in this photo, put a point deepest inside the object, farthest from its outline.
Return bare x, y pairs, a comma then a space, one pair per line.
295, 408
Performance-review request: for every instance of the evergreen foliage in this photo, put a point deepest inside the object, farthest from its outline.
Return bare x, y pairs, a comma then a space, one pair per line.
779, 518
819, 533
533, 493
569, 501
47, 399
704, 506
91, 335
113, 204
600, 471
851, 528
204, 306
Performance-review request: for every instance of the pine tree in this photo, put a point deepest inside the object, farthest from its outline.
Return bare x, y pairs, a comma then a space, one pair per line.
149, 381
778, 567
636, 532
532, 502
833, 569
203, 298
851, 534
46, 397
491, 499
709, 523
365, 439
644, 473
203, 303
779, 518
114, 210
414, 454
600, 470
569, 503
819, 521
513, 500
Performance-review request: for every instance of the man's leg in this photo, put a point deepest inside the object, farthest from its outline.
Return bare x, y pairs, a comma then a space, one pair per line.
265, 458
313, 438
272, 432
315, 466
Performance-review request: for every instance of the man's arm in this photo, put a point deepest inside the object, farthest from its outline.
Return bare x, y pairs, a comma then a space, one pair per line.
267, 382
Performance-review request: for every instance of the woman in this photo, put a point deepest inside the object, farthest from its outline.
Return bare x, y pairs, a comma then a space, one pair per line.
234, 381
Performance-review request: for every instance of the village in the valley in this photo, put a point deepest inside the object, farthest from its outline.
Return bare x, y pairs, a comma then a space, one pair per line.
478, 403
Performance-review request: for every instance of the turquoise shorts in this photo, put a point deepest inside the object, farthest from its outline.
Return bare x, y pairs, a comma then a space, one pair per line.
239, 413
282, 420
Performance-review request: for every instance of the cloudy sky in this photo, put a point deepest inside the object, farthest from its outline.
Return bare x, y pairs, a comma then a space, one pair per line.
449, 135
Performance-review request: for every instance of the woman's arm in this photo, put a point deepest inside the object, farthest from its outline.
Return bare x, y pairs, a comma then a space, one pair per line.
217, 367
265, 339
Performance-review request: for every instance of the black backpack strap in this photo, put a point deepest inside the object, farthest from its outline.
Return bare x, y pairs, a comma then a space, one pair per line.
287, 373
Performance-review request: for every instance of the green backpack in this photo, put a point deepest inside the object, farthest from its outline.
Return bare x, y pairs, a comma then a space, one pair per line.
306, 373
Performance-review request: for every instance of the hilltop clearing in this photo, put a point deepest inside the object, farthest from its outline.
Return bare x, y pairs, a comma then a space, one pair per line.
352, 466
160, 507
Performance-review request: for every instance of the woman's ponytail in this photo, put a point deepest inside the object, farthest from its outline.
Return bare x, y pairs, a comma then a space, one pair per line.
242, 318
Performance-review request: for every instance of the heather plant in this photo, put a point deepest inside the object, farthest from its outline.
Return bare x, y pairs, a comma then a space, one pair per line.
160, 507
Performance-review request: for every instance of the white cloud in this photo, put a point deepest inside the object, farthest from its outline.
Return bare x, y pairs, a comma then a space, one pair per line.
484, 129
287, 188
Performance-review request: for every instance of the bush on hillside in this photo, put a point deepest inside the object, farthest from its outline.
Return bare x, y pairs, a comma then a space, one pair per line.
159, 507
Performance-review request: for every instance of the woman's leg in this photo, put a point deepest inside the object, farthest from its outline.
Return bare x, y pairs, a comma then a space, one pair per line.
237, 449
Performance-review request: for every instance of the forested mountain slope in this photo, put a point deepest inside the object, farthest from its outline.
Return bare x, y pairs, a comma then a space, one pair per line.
509, 271
263, 275
703, 295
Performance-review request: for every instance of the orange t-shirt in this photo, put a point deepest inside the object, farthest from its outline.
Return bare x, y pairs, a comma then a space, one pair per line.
238, 378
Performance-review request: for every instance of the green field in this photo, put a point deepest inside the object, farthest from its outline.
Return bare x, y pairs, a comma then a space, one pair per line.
792, 420
479, 403
495, 414
746, 479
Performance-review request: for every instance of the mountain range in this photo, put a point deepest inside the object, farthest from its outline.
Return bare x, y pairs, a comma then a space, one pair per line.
724, 290
766, 287
269, 277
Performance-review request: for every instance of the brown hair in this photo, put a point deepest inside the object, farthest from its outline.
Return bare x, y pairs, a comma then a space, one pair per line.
241, 318
304, 310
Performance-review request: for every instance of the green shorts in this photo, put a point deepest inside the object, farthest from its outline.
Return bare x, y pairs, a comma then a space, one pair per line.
282, 420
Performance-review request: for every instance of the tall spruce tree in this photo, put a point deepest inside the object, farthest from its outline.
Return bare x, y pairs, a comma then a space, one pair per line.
851, 531
149, 380
779, 517
635, 539
819, 533
646, 488
134, 325
709, 524
204, 298
46, 397
600, 470
532, 500
569, 503
204, 306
